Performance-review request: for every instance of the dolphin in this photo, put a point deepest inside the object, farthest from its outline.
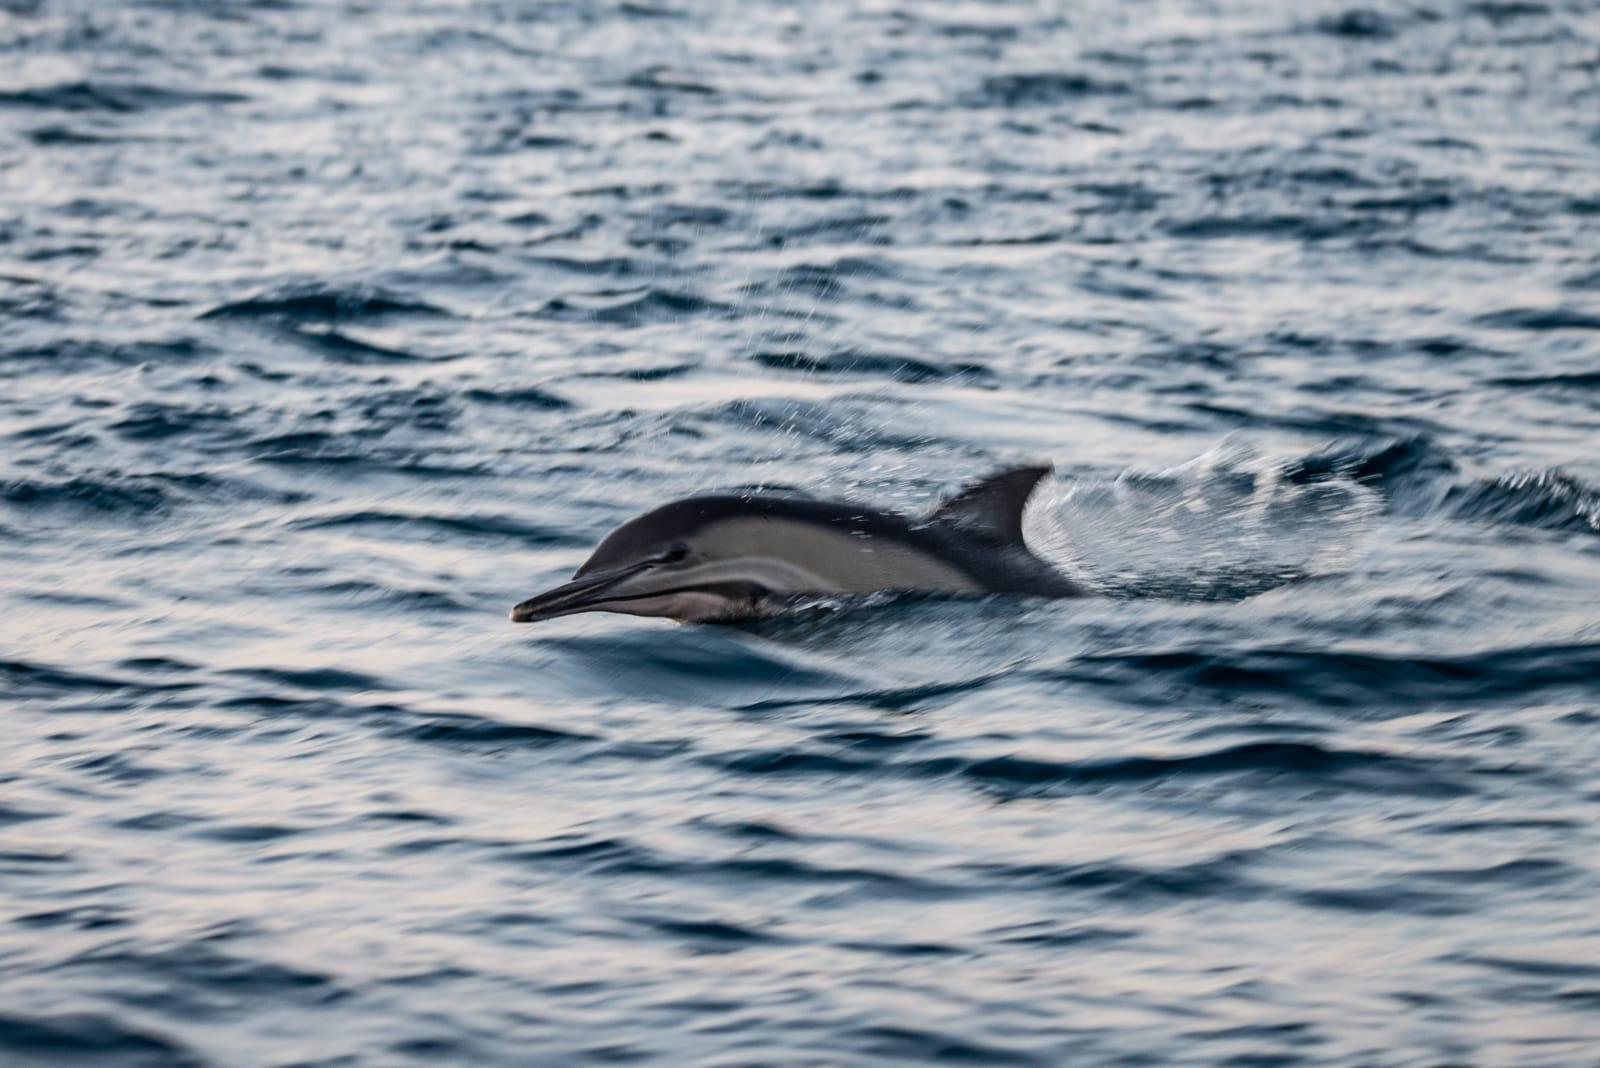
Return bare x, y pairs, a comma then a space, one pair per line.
728, 558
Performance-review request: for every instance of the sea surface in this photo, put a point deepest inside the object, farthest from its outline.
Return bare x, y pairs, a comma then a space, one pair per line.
330, 329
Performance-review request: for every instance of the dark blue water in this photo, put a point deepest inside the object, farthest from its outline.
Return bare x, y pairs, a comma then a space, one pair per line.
328, 331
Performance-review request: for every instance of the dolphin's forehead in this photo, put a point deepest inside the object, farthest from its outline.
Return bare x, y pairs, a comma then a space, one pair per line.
659, 530
646, 535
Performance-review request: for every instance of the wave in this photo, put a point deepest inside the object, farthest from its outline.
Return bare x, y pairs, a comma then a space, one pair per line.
851, 362
530, 398
157, 421
1575, 380
1396, 682
1408, 471
821, 281
321, 302
477, 732
633, 308
356, 451
391, 597
466, 526
107, 494
191, 975
1040, 89
1541, 319
661, 79
888, 699
75, 353
1417, 477
1020, 775
337, 679
63, 1037
111, 496
23, 678
341, 347
1541, 500
1359, 23
112, 96
1318, 227
1217, 877
931, 1045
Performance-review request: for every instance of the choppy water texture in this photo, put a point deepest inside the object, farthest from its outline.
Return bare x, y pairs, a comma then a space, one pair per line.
330, 330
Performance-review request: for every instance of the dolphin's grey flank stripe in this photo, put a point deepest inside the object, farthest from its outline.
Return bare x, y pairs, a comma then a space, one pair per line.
709, 558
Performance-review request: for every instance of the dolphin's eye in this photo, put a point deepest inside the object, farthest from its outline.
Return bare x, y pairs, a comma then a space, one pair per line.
676, 554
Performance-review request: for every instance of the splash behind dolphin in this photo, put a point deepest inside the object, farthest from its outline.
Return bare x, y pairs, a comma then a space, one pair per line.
724, 558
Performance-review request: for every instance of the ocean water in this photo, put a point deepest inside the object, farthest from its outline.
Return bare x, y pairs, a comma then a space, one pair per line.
330, 330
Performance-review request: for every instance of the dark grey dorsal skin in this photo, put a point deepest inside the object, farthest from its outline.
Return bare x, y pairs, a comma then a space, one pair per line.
728, 557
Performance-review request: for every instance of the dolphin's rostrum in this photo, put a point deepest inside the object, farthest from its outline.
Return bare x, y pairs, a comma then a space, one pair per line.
718, 558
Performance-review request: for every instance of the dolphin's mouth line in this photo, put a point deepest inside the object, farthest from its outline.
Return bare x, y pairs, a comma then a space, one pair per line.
732, 591
573, 600
578, 595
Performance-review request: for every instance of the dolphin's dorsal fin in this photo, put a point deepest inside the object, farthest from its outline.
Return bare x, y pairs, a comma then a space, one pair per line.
994, 505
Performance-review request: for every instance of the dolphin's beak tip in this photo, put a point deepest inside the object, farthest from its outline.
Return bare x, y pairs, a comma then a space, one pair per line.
582, 594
